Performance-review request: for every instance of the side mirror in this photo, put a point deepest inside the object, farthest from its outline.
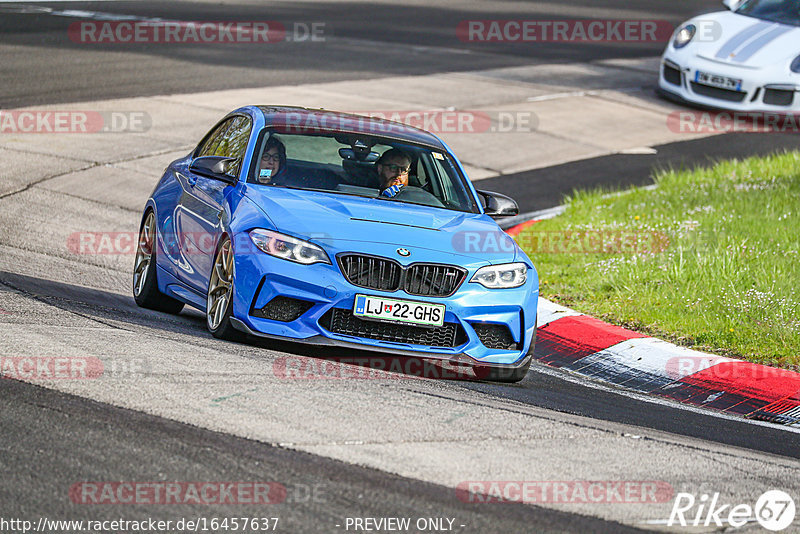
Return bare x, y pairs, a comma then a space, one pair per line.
497, 205
215, 167
733, 5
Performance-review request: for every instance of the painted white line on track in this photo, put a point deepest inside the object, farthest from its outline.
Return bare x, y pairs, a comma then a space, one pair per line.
639, 150
570, 94
77, 13
670, 523
556, 96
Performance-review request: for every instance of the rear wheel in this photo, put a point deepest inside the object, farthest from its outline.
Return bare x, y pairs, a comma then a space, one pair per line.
145, 283
219, 304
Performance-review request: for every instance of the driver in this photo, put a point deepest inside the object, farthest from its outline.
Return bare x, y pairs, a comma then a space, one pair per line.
392, 168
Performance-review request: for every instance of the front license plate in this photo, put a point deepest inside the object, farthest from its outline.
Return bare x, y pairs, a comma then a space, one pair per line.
715, 80
403, 311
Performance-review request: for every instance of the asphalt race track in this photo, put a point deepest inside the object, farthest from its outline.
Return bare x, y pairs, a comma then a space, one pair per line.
176, 405
369, 39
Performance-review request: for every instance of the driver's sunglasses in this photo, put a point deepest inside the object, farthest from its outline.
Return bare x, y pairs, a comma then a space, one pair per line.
397, 168
271, 157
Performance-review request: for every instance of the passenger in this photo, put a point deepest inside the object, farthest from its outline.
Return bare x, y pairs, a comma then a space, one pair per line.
392, 168
273, 162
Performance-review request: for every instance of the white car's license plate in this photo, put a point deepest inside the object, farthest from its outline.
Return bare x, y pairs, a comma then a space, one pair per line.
715, 80
404, 311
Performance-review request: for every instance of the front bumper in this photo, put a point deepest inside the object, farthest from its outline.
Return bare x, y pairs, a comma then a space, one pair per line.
322, 341
474, 313
761, 90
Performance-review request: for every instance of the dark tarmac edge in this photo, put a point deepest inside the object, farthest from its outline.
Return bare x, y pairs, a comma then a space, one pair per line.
544, 188
52, 440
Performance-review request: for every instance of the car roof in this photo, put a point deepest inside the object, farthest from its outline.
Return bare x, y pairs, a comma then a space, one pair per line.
305, 120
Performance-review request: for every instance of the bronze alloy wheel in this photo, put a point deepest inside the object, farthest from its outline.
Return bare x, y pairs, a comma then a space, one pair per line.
144, 254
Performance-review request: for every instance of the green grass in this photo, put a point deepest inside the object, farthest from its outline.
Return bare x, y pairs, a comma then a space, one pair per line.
707, 259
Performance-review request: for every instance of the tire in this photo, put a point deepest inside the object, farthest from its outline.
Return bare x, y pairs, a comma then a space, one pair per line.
145, 281
219, 297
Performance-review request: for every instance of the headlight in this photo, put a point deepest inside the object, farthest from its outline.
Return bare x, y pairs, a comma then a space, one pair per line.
685, 35
287, 247
796, 65
501, 276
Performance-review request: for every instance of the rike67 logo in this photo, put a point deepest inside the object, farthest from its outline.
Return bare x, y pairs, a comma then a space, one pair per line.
774, 511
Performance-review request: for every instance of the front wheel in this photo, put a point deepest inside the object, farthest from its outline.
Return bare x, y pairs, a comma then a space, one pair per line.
219, 304
145, 283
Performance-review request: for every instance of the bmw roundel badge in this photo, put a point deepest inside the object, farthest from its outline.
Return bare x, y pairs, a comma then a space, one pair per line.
403, 252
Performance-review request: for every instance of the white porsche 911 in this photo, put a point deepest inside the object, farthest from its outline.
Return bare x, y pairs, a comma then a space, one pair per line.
744, 59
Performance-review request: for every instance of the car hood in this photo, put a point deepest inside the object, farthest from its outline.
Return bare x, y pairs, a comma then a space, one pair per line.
335, 219
743, 41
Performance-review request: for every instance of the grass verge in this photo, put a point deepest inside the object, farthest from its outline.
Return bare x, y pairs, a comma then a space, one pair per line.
707, 259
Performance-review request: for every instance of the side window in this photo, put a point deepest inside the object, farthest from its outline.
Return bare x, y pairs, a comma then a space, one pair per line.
210, 145
234, 142
229, 140
450, 194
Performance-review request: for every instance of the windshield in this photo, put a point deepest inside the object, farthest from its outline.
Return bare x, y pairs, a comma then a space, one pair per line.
783, 11
361, 165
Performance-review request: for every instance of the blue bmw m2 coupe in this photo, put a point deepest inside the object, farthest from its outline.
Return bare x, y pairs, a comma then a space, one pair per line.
336, 229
